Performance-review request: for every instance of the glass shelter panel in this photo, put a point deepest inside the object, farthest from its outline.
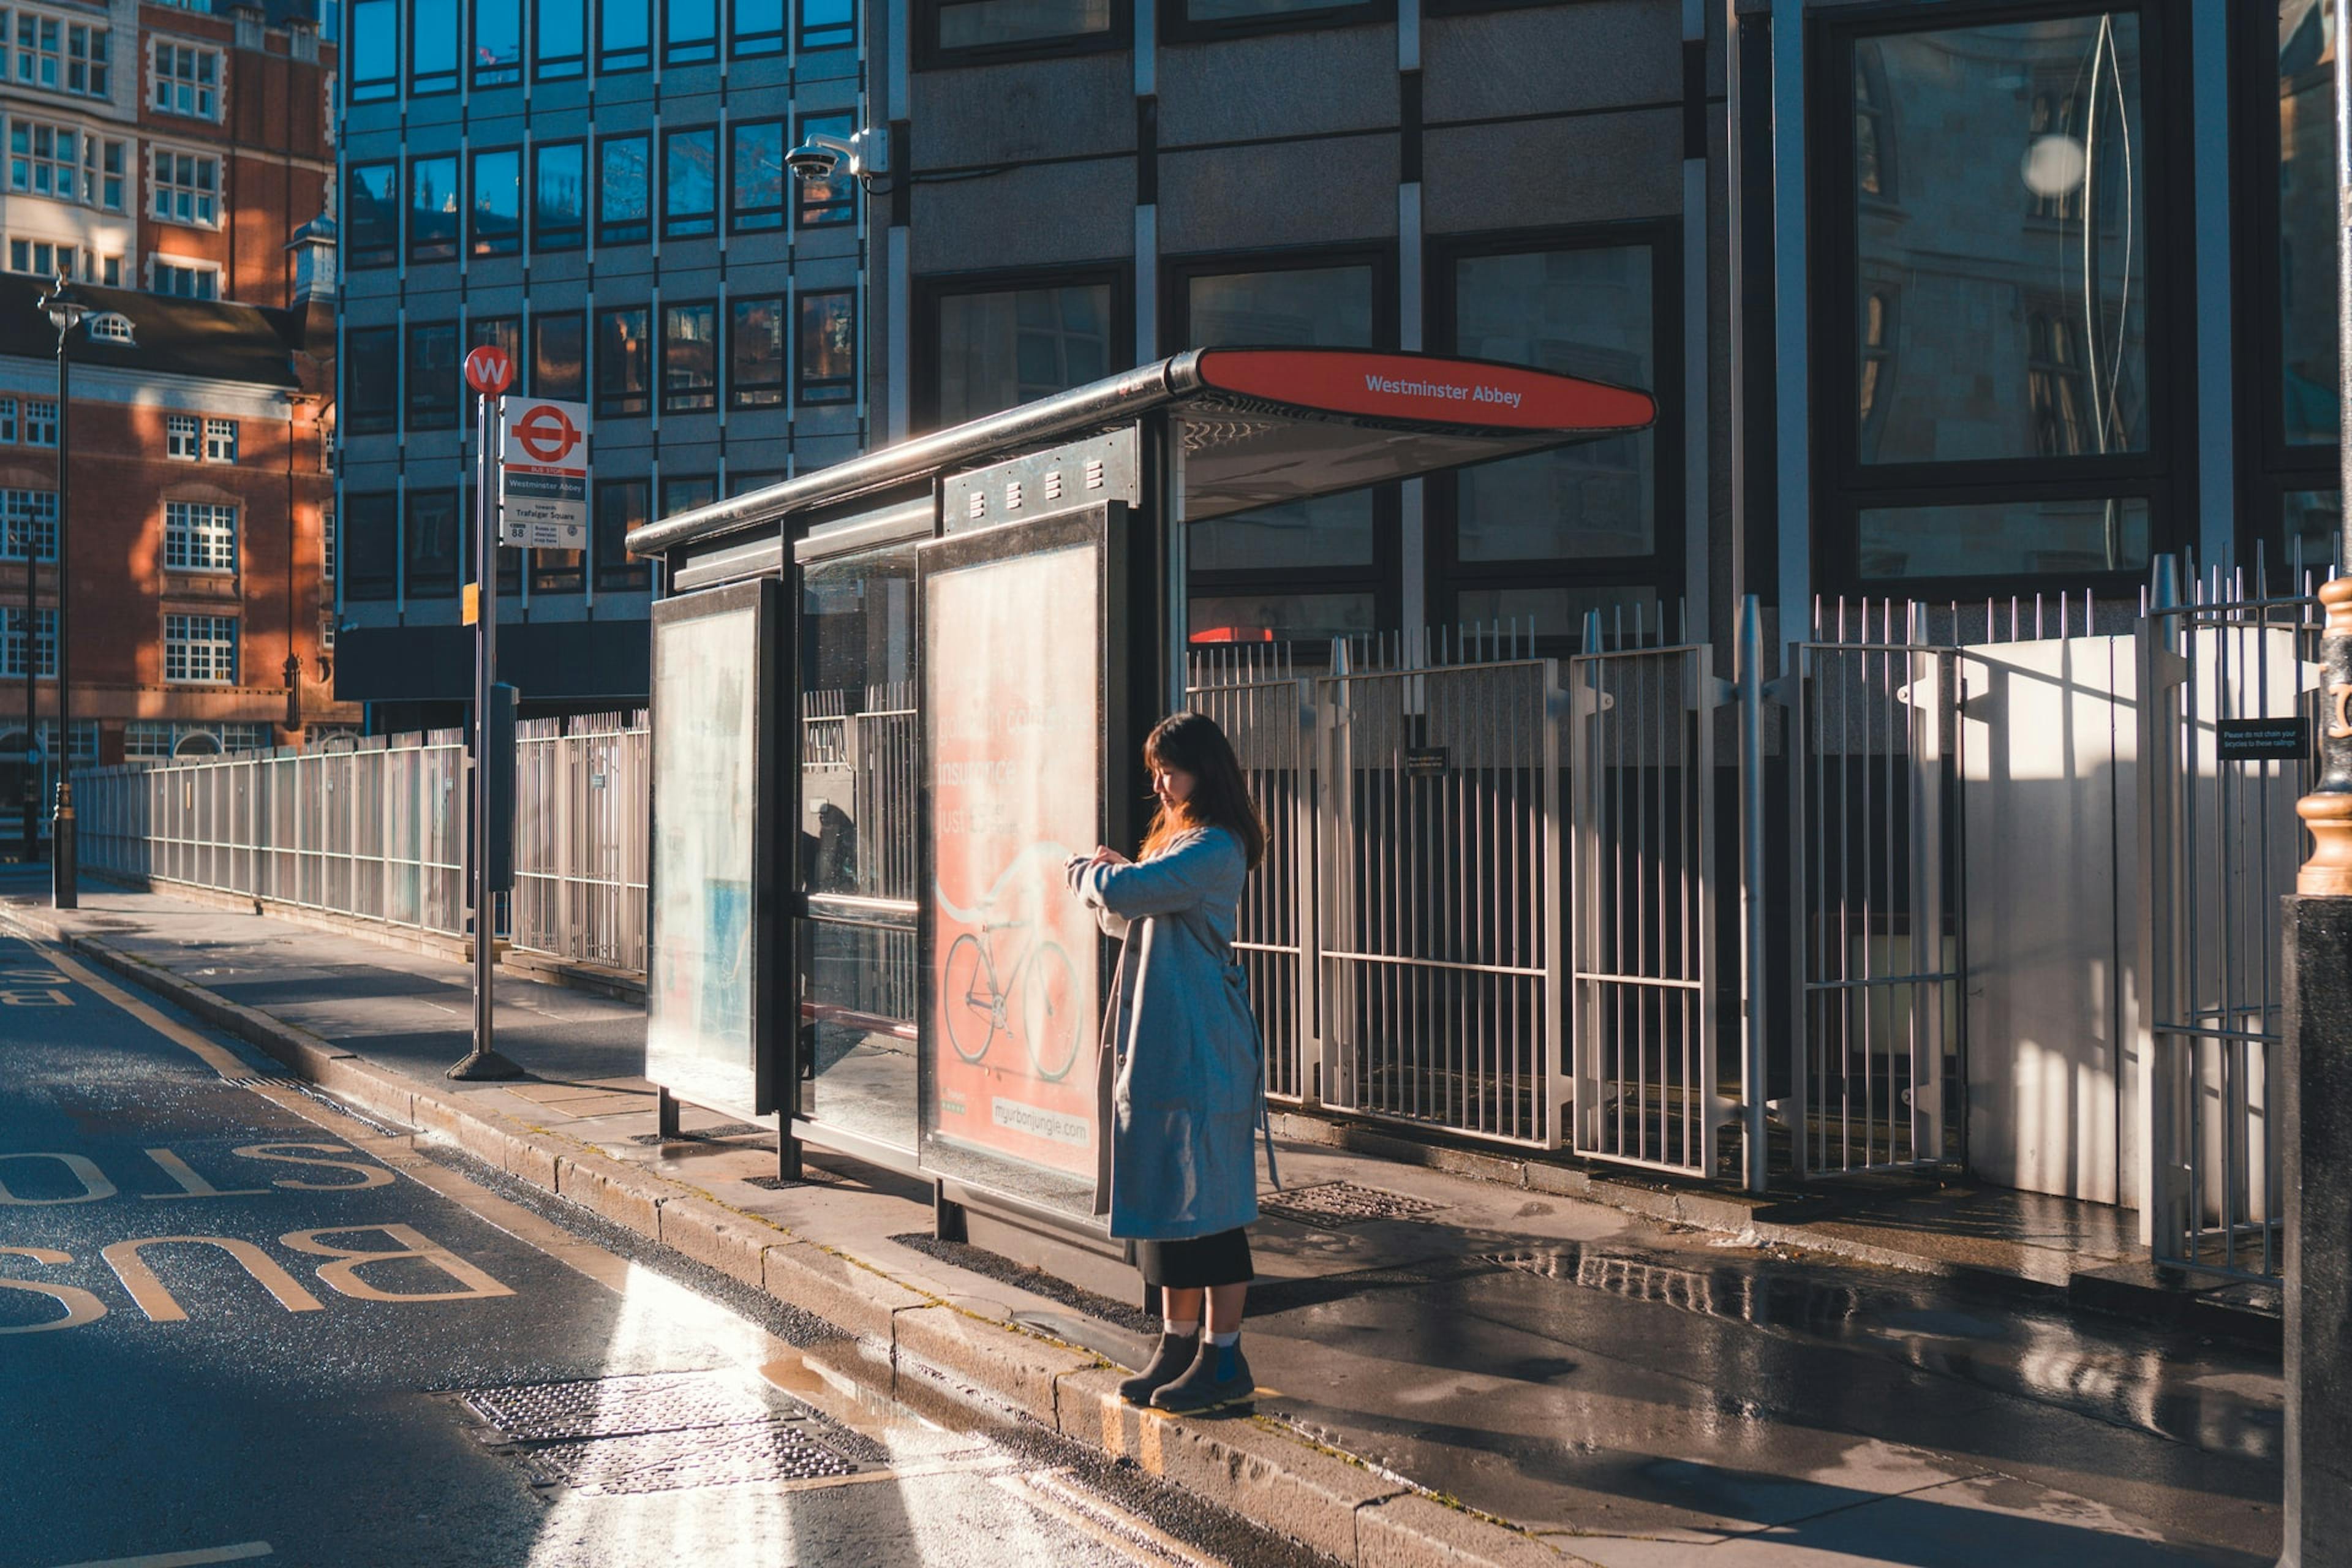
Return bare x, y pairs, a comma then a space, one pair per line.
1013, 699
860, 976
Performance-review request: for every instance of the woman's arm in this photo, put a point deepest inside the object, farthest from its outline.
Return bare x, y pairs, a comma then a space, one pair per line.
1177, 880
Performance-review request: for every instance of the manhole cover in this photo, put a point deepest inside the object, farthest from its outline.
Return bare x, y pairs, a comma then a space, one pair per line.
1344, 1203
724, 1129
659, 1432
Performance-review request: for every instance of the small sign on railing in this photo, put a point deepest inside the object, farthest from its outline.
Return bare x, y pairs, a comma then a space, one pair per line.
2262, 740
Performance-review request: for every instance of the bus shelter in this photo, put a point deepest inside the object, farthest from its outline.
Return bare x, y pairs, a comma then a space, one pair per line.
890, 697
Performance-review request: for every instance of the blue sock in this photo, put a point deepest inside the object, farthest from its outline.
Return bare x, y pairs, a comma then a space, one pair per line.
1229, 1361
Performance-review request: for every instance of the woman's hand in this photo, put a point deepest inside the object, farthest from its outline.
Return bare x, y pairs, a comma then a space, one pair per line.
1105, 855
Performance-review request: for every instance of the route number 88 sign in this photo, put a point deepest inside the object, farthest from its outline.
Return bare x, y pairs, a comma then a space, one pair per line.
543, 473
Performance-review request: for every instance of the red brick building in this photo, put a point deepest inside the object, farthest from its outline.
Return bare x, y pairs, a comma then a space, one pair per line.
177, 162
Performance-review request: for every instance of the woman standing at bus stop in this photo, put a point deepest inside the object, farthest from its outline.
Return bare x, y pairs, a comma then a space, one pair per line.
1178, 1175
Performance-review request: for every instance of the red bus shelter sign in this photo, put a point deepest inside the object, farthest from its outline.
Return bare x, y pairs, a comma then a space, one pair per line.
1418, 389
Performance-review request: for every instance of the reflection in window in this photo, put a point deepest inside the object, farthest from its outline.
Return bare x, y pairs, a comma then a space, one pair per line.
624, 200
755, 352
433, 209
370, 361
756, 179
1873, 147
1878, 363
372, 215
502, 332
828, 347
558, 357
690, 182
833, 200
1626, 612
2033, 184
623, 35
1002, 349
2059, 385
2315, 535
2309, 398
2005, 539
497, 203
375, 50
498, 44
560, 51
433, 383
620, 507
689, 358
1587, 313
369, 555
433, 37
559, 200
1251, 617
828, 24
1212, 12
758, 28
684, 492
624, 360
430, 542
999, 24
689, 32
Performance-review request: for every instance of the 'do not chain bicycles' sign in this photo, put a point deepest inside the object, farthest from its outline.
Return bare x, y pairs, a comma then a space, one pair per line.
543, 473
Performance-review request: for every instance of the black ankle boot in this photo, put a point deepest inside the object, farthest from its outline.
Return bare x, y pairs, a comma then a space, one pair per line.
1168, 1364
1218, 1377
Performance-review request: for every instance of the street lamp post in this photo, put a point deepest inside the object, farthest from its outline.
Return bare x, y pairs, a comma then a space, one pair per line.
21, 526
65, 314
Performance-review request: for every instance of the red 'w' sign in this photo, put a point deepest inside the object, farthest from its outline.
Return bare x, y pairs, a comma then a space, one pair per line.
490, 370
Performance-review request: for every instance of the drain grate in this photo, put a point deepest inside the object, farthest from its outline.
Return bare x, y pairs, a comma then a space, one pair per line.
689, 1134
1344, 1203
659, 1432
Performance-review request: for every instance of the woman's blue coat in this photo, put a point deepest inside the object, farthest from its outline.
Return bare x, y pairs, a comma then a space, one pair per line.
1182, 1086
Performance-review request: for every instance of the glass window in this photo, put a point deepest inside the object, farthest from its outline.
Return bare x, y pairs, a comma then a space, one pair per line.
371, 525
684, 492
498, 44
199, 536
827, 202
41, 421
28, 518
689, 358
623, 35
187, 186
372, 215
8, 421
86, 59
183, 436
689, 32
828, 347
433, 209
620, 507
104, 162
757, 28
2309, 398
430, 544
559, 363
504, 332
1194, 18
623, 199
557, 571
498, 202
46, 160
559, 202
689, 183
371, 401
1321, 307
186, 80
434, 38
562, 43
432, 376
1013, 23
743, 482
756, 180
624, 360
374, 61
1001, 349
2021, 274
45, 657
187, 280
200, 648
828, 24
1250, 617
755, 352
2315, 534
220, 441
1584, 313
2005, 539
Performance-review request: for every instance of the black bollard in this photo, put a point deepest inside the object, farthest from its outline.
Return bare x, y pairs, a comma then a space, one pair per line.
2315, 1116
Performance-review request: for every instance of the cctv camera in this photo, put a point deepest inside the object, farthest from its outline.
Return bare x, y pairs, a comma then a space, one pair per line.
820, 157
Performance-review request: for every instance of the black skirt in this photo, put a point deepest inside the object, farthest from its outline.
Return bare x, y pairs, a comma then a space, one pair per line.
1203, 1261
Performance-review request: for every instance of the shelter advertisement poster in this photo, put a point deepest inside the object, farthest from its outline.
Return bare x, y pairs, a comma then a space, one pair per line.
1012, 673
700, 973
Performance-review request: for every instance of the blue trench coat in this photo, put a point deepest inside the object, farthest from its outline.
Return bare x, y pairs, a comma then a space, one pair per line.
1182, 1090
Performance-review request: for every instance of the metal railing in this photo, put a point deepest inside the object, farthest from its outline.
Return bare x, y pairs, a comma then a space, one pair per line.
580, 832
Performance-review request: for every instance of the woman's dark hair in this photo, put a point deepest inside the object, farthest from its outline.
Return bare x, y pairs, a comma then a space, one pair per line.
1192, 743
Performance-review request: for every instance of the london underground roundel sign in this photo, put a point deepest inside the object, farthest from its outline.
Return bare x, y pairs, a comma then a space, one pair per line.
546, 434
490, 370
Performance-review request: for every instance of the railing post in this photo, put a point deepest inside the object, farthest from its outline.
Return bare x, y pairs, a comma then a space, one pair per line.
1755, 1030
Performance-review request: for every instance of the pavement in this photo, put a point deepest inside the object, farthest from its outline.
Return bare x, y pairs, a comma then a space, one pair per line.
1499, 1374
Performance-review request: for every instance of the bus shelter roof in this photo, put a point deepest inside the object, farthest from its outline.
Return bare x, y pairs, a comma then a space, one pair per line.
1253, 428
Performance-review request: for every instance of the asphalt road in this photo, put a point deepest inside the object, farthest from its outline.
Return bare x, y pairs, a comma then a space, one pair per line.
238, 1325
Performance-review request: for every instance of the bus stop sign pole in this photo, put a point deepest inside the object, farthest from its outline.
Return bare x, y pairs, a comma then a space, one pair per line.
490, 371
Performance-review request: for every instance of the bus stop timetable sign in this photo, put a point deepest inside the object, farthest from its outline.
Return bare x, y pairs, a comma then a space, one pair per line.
543, 473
